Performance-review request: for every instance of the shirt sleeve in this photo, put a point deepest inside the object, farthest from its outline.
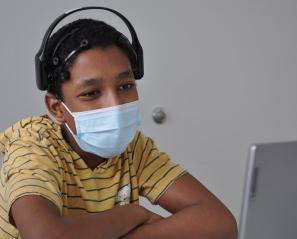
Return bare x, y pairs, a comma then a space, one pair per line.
30, 169
154, 169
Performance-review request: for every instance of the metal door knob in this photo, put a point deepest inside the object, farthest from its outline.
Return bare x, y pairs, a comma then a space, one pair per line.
159, 115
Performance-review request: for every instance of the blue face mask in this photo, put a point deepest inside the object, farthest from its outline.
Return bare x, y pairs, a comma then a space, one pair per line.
106, 132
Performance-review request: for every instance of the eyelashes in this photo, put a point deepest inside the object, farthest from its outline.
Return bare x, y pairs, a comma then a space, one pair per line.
94, 94
127, 86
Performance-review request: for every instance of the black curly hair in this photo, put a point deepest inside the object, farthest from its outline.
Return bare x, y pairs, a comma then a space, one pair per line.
70, 40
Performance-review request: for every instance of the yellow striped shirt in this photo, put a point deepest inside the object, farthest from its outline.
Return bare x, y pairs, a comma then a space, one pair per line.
38, 161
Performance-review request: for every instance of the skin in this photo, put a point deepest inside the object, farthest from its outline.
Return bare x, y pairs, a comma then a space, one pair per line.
102, 78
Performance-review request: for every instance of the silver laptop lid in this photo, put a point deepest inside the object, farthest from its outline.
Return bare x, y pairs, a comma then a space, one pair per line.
269, 208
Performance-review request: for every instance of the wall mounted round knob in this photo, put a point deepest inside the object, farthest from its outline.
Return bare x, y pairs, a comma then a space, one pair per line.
159, 115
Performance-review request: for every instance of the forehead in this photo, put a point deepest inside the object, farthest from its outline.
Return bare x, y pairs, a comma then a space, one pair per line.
99, 63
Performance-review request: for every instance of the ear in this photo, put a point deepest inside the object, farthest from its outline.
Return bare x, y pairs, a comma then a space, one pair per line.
55, 107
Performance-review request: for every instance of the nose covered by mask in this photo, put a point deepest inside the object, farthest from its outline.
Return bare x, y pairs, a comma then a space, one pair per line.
106, 132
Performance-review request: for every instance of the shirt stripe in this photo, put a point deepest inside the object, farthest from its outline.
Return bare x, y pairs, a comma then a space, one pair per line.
38, 161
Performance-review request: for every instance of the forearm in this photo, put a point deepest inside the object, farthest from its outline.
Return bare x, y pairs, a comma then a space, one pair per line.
43, 221
193, 222
111, 224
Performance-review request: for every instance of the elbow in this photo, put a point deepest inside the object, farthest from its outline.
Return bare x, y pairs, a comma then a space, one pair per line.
229, 229
216, 223
222, 224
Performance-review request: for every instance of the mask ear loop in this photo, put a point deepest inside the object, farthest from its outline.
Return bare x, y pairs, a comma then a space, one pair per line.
68, 110
73, 135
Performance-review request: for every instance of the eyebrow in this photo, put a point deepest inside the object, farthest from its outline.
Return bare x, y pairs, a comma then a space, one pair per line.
124, 74
88, 82
96, 81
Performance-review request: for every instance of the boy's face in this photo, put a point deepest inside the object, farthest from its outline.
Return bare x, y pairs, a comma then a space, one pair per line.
99, 78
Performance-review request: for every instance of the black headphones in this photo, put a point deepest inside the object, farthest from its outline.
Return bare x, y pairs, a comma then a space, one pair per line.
41, 74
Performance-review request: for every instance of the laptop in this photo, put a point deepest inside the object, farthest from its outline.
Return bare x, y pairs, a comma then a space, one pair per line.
269, 207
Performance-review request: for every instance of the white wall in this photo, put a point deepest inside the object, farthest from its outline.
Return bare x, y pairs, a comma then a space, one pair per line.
224, 70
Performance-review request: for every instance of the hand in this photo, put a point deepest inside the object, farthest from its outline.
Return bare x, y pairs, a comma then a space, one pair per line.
153, 217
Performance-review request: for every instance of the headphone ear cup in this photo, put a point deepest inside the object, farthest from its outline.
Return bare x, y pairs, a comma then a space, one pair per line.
139, 68
137, 60
41, 76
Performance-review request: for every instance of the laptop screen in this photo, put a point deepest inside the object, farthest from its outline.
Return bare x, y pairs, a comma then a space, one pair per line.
269, 207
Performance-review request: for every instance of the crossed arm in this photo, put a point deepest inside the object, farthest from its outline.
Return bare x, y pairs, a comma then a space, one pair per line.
196, 213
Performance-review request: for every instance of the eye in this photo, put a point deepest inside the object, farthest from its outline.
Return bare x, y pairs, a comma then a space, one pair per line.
127, 86
89, 94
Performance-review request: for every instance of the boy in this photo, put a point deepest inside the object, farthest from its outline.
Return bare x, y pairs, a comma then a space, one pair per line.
81, 175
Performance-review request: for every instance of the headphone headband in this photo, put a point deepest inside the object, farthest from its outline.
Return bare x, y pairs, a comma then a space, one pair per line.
41, 74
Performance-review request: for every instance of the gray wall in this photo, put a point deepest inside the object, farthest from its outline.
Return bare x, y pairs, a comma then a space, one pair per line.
224, 70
